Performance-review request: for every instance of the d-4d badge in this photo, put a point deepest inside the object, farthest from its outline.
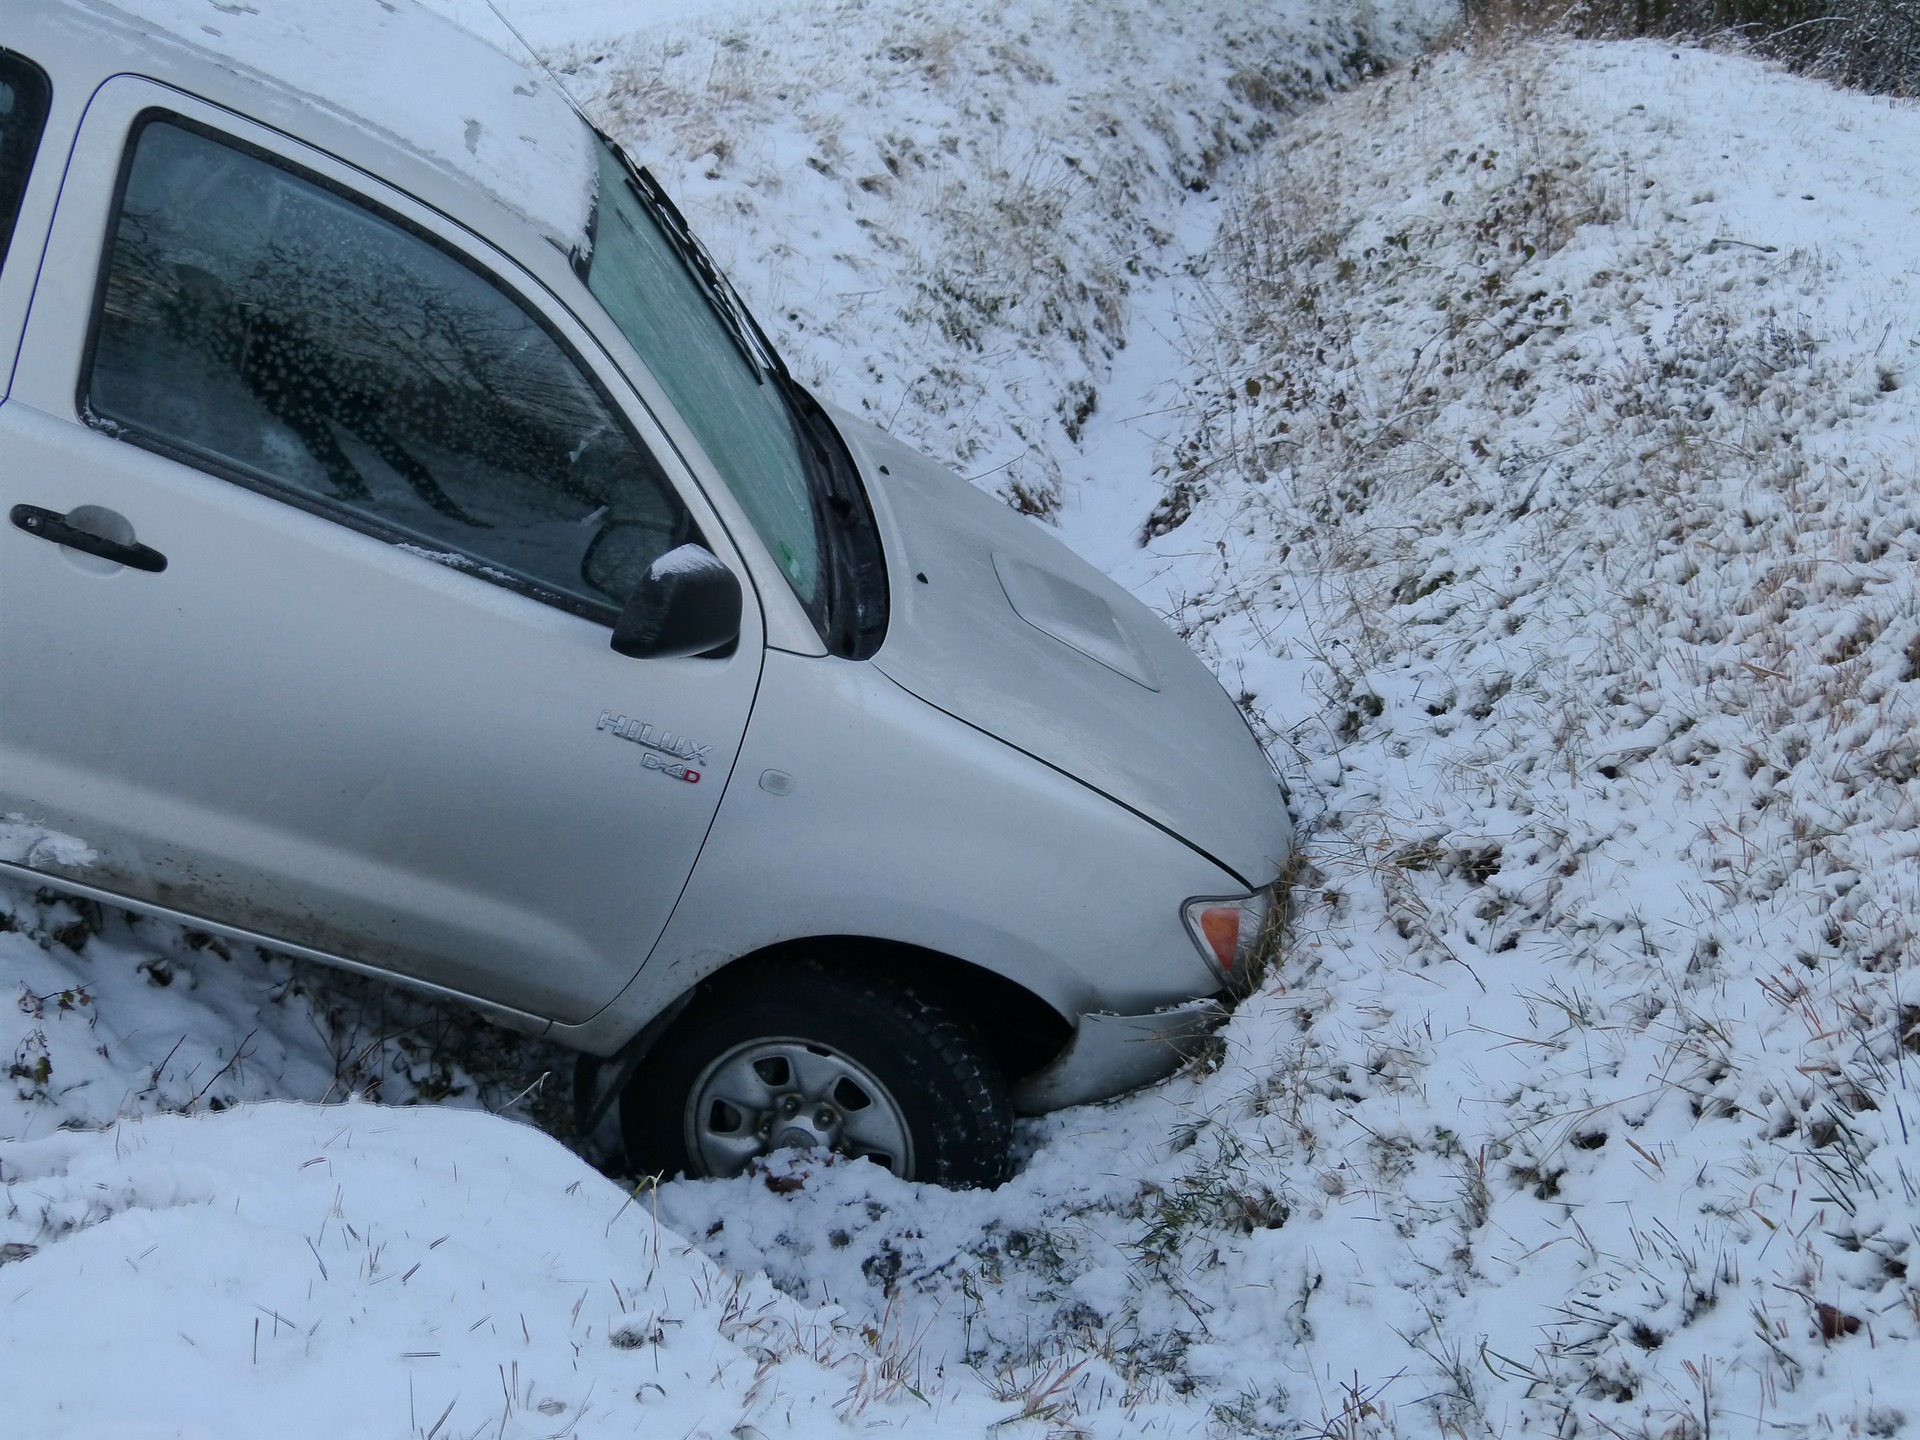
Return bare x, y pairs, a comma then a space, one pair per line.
684, 752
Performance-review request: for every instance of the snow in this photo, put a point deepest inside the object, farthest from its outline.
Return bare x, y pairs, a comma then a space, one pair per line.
480, 110
306, 1270
25, 844
684, 560
546, 24
454, 560
1537, 459
1579, 1094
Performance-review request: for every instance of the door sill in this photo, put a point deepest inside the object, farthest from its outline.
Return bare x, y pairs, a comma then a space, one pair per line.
503, 1015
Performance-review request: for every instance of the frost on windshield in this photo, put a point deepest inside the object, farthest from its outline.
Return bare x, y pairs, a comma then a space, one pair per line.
738, 416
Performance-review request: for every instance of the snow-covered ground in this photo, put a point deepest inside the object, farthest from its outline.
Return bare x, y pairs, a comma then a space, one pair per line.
347, 1270
1530, 437
550, 24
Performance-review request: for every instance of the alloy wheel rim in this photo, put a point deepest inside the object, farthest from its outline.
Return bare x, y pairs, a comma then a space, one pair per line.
783, 1092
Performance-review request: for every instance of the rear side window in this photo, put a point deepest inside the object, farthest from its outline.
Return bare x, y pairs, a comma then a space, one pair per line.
262, 324
24, 93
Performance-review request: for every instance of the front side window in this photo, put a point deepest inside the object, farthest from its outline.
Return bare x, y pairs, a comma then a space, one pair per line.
261, 324
24, 94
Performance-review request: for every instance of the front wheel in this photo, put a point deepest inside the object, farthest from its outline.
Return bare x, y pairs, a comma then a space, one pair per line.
804, 1054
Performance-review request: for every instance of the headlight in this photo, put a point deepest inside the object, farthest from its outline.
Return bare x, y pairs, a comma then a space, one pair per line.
1229, 932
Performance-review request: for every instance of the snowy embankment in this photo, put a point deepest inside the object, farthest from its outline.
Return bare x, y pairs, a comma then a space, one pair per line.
163, 1238
1543, 472
1570, 457
1541, 437
350, 1270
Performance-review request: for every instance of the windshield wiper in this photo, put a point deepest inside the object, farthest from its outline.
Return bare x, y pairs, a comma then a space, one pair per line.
752, 341
755, 348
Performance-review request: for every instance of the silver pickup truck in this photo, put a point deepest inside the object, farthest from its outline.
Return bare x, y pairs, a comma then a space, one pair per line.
419, 561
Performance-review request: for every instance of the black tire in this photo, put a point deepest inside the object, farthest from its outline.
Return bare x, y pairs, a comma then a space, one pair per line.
937, 1079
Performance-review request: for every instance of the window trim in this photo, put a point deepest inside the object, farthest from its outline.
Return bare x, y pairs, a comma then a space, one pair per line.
10, 220
225, 468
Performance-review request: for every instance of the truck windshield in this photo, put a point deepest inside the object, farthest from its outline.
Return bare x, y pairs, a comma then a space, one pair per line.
769, 439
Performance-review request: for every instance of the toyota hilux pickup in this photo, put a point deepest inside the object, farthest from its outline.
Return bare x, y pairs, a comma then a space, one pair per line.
419, 561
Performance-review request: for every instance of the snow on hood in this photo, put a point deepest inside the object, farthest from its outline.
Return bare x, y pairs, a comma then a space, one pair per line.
399, 69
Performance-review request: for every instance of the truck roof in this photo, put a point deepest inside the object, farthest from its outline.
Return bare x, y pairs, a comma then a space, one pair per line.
393, 68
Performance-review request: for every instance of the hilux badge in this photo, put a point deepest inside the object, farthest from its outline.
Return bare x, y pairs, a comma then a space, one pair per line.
686, 754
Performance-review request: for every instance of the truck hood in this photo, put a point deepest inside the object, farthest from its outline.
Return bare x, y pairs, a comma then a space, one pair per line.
1000, 625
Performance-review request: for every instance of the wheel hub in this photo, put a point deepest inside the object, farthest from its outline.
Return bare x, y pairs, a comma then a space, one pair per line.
787, 1093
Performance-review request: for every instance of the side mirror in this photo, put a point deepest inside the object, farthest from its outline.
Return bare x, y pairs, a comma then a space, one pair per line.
687, 603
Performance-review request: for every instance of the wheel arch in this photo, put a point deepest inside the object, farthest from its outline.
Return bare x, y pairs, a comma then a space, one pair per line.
1021, 1031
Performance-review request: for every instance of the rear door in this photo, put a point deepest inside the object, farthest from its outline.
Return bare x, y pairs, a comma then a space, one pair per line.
368, 706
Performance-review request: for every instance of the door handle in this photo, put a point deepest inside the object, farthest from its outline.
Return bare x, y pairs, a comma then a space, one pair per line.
52, 525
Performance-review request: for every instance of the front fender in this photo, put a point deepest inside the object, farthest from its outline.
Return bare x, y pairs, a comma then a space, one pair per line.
856, 809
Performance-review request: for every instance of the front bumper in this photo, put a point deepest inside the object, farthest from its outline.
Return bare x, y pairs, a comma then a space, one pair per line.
1110, 1054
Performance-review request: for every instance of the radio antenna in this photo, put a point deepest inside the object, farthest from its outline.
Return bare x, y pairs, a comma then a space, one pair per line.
540, 60
714, 285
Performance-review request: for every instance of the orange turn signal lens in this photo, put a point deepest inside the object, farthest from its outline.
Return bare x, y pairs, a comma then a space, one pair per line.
1221, 926
1226, 929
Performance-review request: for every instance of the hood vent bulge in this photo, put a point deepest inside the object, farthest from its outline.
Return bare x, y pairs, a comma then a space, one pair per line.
1074, 616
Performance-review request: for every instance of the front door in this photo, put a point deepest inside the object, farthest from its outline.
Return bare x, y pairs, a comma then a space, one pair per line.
368, 706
